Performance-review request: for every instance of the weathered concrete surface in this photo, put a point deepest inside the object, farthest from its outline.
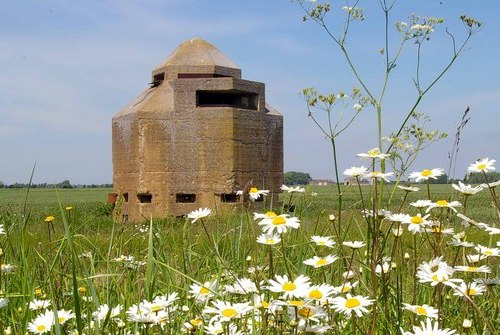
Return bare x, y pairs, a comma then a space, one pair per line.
195, 138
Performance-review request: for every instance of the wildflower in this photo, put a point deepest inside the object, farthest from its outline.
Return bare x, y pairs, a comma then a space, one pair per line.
426, 174
68, 208
424, 310
254, 193
296, 288
346, 287
348, 274
377, 174
487, 252
64, 315
350, 304
470, 289
421, 203
357, 107
242, 286
226, 311
267, 215
491, 185
384, 268
42, 323
323, 241
474, 269
467, 323
428, 328
320, 292
296, 189
354, 244
203, 292
408, 188
269, 239
102, 312
483, 165
467, 189
373, 154
359, 172
7, 268
3, 302
444, 204
36, 305
2, 230
49, 218
435, 272
416, 223
280, 223
199, 214
318, 262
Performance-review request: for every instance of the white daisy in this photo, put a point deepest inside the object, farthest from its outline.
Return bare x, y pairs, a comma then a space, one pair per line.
269, 239
323, 241
470, 289
474, 269
280, 224
428, 328
467, 189
289, 189
199, 214
482, 165
296, 288
226, 311
373, 154
424, 310
426, 174
354, 244
42, 323
350, 304
444, 204
318, 262
416, 223
409, 188
359, 172
421, 203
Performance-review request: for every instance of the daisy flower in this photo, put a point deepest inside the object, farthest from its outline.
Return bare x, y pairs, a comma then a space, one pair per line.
102, 312
49, 218
470, 290
444, 204
2, 230
483, 165
416, 223
318, 262
42, 323
296, 288
323, 241
203, 292
280, 224
428, 328
226, 311
350, 304
491, 184
373, 154
474, 269
36, 304
3, 302
266, 215
485, 251
199, 214
64, 315
296, 189
424, 310
436, 272
320, 292
377, 174
408, 188
269, 239
254, 193
421, 203
426, 174
398, 217
345, 287
242, 286
359, 172
467, 189
354, 244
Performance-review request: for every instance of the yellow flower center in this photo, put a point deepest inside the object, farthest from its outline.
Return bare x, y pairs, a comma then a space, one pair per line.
321, 243
488, 252
315, 294
321, 262
271, 214
38, 291
229, 312
471, 291
442, 203
289, 286
61, 319
270, 241
82, 289
204, 290
471, 268
373, 152
41, 328
439, 278
195, 322
264, 304
426, 173
416, 219
352, 303
481, 167
305, 312
155, 308
296, 303
279, 220
253, 190
346, 288
420, 310
49, 218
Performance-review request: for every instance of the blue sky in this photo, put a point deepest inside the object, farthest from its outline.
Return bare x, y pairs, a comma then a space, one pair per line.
68, 66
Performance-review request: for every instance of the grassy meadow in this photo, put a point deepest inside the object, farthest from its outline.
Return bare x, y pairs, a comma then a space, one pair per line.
64, 255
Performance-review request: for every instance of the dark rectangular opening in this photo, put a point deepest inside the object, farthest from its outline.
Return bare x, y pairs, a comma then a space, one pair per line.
199, 75
158, 79
229, 197
145, 198
185, 198
125, 197
235, 99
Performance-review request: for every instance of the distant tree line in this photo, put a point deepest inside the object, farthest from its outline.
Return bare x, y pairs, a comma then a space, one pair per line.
65, 184
296, 178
